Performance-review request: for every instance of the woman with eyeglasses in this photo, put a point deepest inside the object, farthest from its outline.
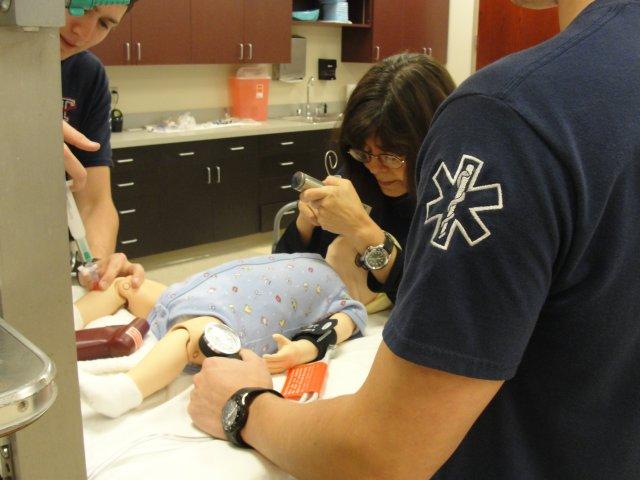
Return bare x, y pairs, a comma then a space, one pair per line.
385, 121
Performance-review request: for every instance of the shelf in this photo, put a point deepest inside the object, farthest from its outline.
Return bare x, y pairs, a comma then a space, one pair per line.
331, 24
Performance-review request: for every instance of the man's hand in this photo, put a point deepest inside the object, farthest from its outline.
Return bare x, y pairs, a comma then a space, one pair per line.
115, 265
217, 381
71, 164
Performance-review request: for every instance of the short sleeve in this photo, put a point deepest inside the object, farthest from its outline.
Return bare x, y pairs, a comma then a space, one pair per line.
493, 207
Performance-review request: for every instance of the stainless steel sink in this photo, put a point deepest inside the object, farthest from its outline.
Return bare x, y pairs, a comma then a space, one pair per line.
329, 118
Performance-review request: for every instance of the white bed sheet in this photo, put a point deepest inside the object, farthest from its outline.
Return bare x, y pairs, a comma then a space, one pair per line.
158, 441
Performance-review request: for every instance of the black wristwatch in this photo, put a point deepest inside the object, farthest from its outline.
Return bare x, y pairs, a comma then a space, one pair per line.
219, 340
235, 413
376, 257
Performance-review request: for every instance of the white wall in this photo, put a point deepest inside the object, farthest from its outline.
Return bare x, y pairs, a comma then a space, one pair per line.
184, 87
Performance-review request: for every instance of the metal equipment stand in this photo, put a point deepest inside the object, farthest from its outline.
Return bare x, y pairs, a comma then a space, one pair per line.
35, 286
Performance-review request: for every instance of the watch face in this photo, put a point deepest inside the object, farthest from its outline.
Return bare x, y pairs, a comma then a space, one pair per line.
221, 338
376, 258
229, 414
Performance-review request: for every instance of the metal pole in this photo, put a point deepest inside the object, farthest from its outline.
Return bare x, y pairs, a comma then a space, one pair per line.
34, 276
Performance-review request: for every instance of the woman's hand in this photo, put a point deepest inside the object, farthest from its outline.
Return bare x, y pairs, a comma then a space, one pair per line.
337, 207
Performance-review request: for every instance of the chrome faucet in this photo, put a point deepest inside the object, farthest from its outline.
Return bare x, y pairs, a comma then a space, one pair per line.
307, 111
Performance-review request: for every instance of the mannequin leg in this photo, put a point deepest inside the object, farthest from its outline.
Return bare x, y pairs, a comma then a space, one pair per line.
140, 300
170, 355
340, 257
114, 395
96, 304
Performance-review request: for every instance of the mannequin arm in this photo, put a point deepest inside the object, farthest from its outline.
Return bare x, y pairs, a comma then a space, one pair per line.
292, 353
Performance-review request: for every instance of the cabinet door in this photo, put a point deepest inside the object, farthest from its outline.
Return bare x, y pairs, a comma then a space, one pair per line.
267, 31
235, 186
384, 38
188, 218
116, 49
161, 32
426, 26
387, 29
504, 28
216, 31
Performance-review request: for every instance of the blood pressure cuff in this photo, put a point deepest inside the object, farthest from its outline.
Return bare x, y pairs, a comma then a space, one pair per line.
322, 334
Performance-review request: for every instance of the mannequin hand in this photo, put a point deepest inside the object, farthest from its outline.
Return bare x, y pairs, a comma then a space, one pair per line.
72, 165
289, 354
115, 265
337, 207
217, 381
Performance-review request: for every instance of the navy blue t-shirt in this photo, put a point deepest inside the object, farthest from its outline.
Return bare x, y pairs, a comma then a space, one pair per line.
523, 258
86, 105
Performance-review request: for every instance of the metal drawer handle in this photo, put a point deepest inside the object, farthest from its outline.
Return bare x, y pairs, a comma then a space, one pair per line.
285, 187
241, 51
250, 51
208, 175
284, 144
236, 149
377, 57
427, 51
125, 160
129, 242
186, 154
139, 45
290, 212
125, 185
127, 212
127, 47
219, 171
285, 164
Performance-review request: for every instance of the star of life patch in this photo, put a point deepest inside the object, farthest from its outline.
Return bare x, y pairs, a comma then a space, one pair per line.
458, 204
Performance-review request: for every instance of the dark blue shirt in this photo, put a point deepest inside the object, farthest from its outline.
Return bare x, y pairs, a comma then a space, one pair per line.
86, 105
523, 262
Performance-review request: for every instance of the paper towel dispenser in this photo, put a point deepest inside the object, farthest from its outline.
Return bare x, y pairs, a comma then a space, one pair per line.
297, 69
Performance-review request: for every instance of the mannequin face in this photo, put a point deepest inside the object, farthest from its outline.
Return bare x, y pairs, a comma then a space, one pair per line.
536, 4
82, 33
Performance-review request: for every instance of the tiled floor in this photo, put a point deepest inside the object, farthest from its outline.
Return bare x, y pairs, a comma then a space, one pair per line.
175, 266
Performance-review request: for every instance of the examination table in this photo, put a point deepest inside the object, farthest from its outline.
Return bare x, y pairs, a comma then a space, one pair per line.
157, 440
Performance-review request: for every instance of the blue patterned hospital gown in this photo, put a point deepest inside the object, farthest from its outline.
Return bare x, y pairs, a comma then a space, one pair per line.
260, 296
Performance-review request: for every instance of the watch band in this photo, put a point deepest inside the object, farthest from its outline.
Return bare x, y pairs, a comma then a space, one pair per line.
243, 398
387, 245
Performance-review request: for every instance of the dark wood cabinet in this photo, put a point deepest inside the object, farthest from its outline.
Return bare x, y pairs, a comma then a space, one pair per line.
155, 32
183, 194
237, 31
504, 28
397, 26
432, 40
281, 156
137, 181
165, 32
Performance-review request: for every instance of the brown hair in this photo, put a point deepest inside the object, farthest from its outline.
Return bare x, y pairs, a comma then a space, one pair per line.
394, 103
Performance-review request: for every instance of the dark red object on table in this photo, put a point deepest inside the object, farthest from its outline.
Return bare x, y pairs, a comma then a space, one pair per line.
112, 341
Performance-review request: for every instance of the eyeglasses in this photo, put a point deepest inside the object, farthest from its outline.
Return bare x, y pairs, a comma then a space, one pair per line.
387, 159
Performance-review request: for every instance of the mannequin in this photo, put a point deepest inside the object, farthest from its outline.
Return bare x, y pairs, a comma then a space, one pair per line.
265, 300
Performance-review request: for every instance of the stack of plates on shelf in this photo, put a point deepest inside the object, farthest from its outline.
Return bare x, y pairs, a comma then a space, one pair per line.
335, 11
306, 15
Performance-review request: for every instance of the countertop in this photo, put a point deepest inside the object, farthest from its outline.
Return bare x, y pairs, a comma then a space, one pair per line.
142, 138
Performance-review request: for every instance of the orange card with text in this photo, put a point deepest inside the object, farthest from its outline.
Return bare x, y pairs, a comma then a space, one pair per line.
306, 378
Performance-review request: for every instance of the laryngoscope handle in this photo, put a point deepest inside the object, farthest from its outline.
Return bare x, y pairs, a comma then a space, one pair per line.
301, 182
